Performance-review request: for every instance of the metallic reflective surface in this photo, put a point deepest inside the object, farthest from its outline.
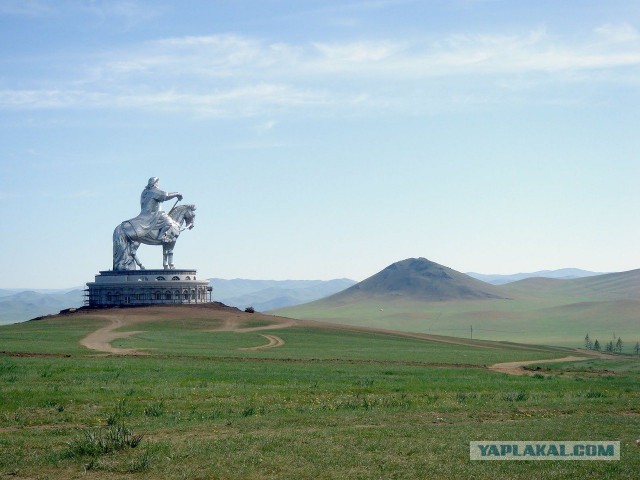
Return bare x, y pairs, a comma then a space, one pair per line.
147, 287
152, 226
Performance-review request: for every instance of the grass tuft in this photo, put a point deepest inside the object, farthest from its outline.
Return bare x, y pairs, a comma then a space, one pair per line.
462, 397
120, 411
141, 464
154, 409
515, 396
99, 441
591, 394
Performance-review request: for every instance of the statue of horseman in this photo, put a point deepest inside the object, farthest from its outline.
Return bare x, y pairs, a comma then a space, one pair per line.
152, 227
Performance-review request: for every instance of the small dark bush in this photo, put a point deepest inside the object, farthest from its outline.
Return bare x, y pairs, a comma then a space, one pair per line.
250, 310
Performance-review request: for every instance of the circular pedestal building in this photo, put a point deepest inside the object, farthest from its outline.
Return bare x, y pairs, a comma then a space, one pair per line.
147, 287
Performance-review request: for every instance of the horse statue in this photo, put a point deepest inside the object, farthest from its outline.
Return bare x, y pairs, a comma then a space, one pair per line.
126, 239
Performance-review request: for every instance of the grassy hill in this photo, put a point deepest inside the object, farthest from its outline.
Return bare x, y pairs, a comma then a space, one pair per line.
535, 310
212, 392
606, 287
416, 279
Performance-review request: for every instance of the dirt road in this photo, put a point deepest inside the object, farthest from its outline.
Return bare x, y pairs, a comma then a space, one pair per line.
516, 368
232, 321
101, 339
233, 325
274, 341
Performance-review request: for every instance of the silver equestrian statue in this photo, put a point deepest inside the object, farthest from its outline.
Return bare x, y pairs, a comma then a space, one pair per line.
151, 227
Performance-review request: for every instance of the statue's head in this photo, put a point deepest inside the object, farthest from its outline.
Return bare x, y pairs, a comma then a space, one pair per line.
153, 181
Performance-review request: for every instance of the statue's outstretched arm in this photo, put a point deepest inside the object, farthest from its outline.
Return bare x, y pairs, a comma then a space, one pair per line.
171, 195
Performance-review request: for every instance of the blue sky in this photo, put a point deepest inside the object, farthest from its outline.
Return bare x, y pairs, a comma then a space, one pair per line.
321, 139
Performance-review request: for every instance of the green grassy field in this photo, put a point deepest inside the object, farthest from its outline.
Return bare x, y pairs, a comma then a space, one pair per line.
539, 320
305, 343
328, 403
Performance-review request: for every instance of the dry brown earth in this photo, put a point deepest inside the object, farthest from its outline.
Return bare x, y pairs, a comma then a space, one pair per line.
517, 368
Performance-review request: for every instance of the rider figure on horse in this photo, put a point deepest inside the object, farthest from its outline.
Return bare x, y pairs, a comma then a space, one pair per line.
151, 227
151, 215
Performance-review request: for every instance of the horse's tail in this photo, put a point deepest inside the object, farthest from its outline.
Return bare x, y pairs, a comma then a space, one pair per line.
122, 258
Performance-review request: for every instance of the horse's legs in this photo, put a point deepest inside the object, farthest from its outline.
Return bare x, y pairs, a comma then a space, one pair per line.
165, 256
170, 259
134, 249
167, 249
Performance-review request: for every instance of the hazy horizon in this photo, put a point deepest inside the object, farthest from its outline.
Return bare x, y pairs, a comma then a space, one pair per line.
266, 279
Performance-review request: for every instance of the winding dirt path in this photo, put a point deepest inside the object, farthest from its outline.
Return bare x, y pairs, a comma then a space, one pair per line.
233, 325
274, 341
101, 339
516, 368
232, 321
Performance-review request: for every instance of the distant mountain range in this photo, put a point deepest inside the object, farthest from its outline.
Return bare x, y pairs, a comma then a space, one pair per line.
20, 305
265, 295
563, 273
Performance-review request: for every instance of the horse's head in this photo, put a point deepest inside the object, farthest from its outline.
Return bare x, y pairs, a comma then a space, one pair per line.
184, 214
190, 216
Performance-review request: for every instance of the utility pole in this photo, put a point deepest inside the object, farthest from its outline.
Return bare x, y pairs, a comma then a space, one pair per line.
471, 332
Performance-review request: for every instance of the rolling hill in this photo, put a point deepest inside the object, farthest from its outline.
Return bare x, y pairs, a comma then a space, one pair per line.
606, 287
420, 296
271, 294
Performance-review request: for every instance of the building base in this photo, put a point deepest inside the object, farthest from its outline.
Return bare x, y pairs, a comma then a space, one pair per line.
147, 287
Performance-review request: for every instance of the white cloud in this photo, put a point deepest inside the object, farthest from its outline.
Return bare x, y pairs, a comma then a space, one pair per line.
246, 100
618, 33
229, 75
265, 127
195, 58
35, 99
359, 52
